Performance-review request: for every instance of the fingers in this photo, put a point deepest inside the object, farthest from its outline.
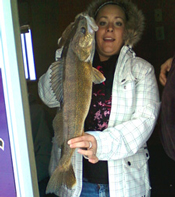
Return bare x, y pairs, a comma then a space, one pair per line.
86, 141
163, 71
165, 67
95, 160
80, 143
162, 78
89, 154
87, 146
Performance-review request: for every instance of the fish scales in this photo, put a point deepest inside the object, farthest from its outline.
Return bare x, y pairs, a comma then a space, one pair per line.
74, 74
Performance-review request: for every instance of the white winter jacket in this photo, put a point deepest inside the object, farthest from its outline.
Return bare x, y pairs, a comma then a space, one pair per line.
134, 111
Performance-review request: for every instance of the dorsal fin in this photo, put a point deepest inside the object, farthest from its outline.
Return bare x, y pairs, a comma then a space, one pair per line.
65, 35
68, 35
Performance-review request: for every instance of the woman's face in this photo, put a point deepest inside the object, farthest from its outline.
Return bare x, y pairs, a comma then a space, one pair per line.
109, 37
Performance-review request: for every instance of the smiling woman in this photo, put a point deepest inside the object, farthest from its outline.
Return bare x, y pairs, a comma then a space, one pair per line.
110, 35
112, 156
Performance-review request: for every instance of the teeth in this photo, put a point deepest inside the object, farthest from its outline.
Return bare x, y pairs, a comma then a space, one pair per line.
108, 39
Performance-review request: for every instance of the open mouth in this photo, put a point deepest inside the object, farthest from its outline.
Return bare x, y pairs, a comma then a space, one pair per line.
108, 39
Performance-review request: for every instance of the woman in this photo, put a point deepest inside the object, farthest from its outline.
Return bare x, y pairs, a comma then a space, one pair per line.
123, 111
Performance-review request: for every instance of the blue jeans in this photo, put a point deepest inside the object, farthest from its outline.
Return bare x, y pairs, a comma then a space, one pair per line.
94, 190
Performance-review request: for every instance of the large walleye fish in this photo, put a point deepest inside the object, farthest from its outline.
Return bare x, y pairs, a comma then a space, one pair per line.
71, 78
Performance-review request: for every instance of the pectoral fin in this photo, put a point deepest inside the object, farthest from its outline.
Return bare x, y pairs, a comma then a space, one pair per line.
57, 79
98, 77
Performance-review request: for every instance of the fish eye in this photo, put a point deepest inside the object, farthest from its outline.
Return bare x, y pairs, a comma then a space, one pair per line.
83, 30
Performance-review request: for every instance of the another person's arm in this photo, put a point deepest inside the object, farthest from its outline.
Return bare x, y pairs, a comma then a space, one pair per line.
165, 67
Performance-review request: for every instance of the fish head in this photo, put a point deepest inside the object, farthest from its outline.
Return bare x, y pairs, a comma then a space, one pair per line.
83, 42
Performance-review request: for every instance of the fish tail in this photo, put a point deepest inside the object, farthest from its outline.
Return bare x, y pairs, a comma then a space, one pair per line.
69, 178
55, 181
59, 178
65, 161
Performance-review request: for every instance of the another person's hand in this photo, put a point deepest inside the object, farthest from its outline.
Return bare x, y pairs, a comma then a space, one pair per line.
87, 145
165, 67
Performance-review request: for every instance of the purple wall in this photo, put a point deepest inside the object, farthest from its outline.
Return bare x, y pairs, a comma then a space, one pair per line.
7, 182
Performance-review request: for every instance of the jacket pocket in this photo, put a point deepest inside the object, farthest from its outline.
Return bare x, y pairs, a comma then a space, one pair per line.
136, 173
138, 160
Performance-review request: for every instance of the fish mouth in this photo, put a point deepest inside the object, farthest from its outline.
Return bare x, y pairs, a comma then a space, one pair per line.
91, 24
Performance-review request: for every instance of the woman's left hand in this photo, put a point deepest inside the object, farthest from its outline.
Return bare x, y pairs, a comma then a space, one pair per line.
87, 145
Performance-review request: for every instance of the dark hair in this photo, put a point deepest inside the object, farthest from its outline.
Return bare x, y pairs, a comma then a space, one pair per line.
113, 3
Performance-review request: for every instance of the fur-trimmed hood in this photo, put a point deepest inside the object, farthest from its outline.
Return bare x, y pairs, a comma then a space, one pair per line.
135, 18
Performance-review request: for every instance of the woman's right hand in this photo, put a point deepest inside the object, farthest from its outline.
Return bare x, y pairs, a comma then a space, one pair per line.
165, 67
